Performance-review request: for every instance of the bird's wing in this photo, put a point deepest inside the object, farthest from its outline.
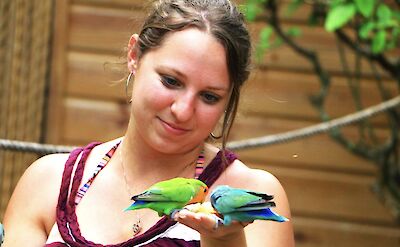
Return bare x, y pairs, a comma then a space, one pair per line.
242, 200
176, 192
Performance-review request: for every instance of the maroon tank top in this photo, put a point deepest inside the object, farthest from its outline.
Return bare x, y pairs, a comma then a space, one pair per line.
67, 220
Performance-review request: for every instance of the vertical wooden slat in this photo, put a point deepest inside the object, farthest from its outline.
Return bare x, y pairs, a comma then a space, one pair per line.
59, 72
11, 117
24, 41
5, 27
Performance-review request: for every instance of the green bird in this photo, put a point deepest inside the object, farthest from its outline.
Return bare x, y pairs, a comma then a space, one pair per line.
243, 205
166, 197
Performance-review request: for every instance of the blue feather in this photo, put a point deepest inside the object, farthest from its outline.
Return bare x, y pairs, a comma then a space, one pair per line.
243, 205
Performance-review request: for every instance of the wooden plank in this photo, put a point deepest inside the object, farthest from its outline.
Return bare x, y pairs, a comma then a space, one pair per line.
284, 58
112, 3
316, 152
314, 232
332, 195
94, 75
102, 29
286, 94
86, 121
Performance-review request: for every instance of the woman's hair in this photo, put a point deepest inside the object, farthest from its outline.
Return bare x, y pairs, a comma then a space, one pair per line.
222, 20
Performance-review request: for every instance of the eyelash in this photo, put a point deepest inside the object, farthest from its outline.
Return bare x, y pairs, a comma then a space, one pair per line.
171, 82
214, 98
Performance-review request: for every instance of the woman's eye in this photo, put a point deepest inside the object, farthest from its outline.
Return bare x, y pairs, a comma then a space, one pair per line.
169, 82
210, 98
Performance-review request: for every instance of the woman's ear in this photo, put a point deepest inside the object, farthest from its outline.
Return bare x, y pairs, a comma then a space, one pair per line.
132, 53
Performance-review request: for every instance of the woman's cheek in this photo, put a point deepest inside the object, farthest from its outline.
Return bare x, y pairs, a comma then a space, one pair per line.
210, 118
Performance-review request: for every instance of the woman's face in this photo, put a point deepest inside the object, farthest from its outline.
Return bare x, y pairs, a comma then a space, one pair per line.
180, 91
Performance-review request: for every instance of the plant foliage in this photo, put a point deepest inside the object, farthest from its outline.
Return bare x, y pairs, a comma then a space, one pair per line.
371, 30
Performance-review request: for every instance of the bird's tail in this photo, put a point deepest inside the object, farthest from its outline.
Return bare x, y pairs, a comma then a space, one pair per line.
268, 214
136, 205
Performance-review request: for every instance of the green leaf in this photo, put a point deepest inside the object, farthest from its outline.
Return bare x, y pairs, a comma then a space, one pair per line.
251, 10
265, 35
312, 19
396, 15
394, 38
293, 6
378, 42
339, 16
366, 29
335, 3
294, 31
277, 42
384, 14
396, 33
365, 7
263, 42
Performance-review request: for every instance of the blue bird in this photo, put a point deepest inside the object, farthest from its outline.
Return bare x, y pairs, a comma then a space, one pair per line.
1, 234
243, 205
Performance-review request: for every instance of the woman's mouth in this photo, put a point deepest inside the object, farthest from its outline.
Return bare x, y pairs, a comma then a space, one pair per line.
173, 128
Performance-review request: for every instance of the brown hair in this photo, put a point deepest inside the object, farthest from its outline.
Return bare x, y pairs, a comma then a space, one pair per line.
221, 19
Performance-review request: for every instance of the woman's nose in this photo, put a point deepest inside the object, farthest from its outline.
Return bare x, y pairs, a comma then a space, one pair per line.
183, 107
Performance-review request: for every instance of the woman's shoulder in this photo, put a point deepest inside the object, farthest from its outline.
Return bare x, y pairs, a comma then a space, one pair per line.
34, 199
259, 178
45, 171
50, 164
240, 172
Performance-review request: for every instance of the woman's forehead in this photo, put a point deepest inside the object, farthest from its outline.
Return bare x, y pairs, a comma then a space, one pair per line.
191, 51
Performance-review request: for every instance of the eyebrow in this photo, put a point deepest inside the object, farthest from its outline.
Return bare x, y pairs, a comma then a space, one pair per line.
218, 88
167, 68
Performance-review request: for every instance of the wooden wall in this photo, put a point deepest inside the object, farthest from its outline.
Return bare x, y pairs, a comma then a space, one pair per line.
330, 190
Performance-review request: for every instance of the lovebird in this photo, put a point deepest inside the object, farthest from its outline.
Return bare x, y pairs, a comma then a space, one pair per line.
243, 205
1, 234
166, 197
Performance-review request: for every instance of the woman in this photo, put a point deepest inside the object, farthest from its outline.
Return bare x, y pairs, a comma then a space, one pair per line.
188, 64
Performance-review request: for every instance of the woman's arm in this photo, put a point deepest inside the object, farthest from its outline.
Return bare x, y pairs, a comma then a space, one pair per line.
260, 233
31, 209
270, 233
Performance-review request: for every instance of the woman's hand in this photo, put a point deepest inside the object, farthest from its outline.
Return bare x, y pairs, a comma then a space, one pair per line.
211, 229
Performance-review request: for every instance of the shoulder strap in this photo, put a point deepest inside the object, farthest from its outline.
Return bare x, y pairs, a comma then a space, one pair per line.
217, 166
66, 217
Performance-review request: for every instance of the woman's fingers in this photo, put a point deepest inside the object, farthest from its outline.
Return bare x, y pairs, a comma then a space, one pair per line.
208, 224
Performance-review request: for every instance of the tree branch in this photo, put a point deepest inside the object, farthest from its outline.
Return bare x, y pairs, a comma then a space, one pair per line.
393, 69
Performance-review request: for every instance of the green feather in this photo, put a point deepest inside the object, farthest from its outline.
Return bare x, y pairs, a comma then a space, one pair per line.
166, 196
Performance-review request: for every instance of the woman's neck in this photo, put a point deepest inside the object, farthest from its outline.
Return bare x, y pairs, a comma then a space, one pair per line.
140, 160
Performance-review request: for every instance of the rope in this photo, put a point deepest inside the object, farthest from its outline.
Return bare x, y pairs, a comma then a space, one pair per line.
236, 145
33, 147
315, 129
